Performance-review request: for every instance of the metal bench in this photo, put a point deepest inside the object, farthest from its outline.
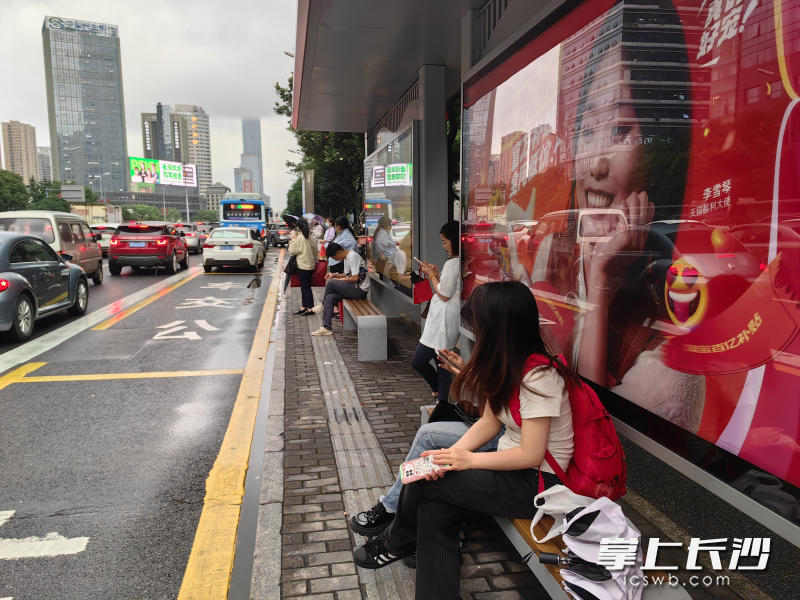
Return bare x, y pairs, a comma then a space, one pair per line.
518, 531
364, 316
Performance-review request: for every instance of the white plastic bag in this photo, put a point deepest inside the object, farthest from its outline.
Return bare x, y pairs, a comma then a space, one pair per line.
556, 501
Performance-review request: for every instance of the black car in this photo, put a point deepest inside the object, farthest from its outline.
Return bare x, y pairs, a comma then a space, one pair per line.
36, 282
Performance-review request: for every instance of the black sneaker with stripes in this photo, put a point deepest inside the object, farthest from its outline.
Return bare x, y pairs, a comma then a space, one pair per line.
375, 553
371, 522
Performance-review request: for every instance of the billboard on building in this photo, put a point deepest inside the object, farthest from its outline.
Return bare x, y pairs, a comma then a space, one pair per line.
247, 186
147, 172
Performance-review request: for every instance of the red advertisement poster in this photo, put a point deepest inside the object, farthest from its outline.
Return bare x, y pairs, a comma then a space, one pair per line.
637, 167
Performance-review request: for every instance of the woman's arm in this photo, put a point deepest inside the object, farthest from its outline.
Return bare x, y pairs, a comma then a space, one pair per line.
528, 455
433, 274
480, 433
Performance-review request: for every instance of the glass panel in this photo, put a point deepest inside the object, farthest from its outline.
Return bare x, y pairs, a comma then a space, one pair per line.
38, 227
387, 205
642, 181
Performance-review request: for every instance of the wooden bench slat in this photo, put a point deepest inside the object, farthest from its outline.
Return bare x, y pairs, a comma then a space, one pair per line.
523, 526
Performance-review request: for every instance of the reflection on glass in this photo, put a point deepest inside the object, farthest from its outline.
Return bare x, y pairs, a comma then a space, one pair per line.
640, 177
387, 212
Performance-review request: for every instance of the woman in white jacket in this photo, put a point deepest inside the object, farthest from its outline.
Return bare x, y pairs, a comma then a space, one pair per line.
305, 248
441, 325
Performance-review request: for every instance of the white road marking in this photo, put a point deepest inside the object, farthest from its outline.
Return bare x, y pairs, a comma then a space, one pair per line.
51, 544
186, 335
207, 301
32, 349
206, 326
224, 286
168, 325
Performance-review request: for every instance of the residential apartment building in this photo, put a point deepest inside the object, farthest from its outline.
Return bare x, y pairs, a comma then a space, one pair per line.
19, 141
45, 164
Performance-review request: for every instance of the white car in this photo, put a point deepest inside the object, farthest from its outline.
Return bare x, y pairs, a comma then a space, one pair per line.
233, 246
103, 232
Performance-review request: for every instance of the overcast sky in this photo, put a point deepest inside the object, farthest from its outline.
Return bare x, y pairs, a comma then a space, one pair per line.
223, 56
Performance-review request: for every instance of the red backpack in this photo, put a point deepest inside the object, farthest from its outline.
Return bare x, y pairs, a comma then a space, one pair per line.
597, 467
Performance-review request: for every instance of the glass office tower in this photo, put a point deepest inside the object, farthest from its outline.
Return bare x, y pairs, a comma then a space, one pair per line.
85, 106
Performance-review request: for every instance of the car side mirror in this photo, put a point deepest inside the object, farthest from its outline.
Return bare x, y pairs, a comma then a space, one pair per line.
66, 257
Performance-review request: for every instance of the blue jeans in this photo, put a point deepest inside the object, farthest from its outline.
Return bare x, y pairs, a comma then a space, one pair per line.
433, 436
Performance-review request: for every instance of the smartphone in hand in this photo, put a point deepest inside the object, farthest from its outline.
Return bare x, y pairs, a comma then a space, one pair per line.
447, 360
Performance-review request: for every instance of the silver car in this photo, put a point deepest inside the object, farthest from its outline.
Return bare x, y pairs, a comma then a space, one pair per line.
36, 282
194, 236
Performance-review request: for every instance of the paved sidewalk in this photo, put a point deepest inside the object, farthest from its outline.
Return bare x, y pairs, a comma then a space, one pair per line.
338, 429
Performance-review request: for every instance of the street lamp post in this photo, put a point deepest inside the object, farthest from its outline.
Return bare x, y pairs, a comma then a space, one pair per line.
102, 195
186, 189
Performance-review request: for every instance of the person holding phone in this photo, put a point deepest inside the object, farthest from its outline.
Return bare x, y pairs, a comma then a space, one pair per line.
353, 284
505, 320
441, 325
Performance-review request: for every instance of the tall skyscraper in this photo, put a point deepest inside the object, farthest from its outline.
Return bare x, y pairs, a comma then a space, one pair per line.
199, 133
165, 135
243, 182
45, 167
19, 141
251, 153
85, 105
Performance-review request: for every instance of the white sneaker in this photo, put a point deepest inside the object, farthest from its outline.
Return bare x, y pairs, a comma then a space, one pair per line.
318, 309
322, 331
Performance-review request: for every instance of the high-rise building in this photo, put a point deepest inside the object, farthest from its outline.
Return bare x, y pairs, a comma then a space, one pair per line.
199, 133
45, 167
513, 162
85, 105
215, 193
251, 153
165, 135
19, 141
243, 182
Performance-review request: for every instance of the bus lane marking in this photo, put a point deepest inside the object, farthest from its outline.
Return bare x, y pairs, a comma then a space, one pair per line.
51, 544
208, 571
35, 347
126, 313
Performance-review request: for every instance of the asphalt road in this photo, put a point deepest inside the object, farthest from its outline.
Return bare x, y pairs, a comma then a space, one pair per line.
122, 461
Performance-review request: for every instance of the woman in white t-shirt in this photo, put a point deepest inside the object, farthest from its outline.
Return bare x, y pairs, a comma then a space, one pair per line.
441, 324
430, 513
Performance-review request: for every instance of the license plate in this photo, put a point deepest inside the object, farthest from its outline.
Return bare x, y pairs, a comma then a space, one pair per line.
137, 244
484, 240
227, 247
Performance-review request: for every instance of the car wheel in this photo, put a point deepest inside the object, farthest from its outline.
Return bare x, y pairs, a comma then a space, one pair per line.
97, 278
207, 268
172, 265
185, 262
22, 326
274, 243
114, 268
81, 299
200, 248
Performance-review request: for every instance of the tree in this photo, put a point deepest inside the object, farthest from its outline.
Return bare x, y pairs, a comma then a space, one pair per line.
294, 198
173, 214
91, 196
207, 216
45, 188
13, 194
336, 157
56, 204
143, 212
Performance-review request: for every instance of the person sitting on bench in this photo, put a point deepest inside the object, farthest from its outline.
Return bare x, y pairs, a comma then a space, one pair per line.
352, 284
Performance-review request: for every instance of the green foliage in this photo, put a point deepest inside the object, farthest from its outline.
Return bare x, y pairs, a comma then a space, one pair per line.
294, 198
142, 212
91, 196
337, 159
50, 204
207, 216
37, 190
13, 194
174, 215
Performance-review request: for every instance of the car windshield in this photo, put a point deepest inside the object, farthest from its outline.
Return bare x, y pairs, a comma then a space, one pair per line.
229, 233
698, 242
32, 226
140, 230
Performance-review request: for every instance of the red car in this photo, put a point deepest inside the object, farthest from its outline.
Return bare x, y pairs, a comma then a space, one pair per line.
147, 245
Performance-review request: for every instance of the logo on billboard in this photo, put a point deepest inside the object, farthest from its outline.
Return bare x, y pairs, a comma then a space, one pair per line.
247, 186
378, 176
55, 23
82, 26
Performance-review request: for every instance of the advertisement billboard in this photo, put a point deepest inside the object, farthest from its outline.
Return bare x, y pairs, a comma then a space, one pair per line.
648, 193
147, 172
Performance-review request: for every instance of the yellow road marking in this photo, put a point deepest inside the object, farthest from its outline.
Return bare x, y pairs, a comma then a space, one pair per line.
20, 375
126, 313
208, 571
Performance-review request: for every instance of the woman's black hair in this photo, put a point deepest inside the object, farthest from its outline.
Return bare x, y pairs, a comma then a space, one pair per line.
333, 249
302, 225
451, 230
343, 224
383, 223
504, 317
